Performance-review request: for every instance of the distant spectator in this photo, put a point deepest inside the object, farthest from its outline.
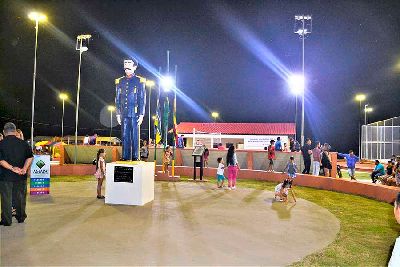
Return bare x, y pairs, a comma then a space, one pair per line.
378, 171
285, 148
233, 167
278, 144
296, 146
1, 136
167, 158
389, 168
291, 168
144, 151
393, 159
221, 147
291, 144
86, 140
220, 173
92, 139
351, 160
326, 160
181, 142
205, 157
306, 151
199, 143
316, 155
395, 258
271, 155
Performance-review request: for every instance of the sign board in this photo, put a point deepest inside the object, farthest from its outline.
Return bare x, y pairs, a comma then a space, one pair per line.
261, 141
123, 174
40, 175
198, 151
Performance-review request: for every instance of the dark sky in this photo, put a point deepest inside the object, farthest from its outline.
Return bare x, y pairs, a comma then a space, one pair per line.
221, 49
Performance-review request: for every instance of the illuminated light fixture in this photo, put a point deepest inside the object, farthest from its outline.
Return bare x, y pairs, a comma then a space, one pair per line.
215, 114
360, 97
63, 96
369, 110
37, 16
167, 83
154, 117
296, 84
111, 108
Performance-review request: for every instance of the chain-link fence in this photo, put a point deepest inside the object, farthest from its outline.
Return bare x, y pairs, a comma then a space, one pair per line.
381, 140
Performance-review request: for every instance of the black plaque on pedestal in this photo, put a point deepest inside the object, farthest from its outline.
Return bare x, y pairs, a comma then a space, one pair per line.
123, 174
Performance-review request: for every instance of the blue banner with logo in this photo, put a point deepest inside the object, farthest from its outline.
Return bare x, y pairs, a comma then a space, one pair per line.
40, 175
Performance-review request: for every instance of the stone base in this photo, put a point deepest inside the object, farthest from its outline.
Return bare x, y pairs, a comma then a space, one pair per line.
161, 176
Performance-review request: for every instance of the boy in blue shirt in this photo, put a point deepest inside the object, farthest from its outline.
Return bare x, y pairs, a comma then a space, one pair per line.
351, 160
378, 171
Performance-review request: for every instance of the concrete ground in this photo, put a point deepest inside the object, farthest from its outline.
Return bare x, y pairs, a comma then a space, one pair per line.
186, 224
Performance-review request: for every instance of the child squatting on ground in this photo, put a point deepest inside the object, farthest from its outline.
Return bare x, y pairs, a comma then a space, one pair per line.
100, 173
220, 173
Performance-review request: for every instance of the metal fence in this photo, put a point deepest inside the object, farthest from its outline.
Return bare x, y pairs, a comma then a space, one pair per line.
380, 140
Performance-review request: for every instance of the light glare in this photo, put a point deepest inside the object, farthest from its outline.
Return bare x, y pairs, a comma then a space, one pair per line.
36, 16
296, 84
167, 83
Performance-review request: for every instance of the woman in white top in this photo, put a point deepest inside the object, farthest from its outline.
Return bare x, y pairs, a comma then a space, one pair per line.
100, 171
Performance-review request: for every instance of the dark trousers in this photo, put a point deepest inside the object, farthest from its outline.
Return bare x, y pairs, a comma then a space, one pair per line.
307, 166
130, 138
10, 191
374, 176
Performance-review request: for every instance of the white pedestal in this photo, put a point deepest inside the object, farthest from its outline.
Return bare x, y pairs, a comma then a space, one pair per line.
138, 192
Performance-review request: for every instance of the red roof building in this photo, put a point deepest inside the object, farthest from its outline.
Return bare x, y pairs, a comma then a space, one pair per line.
238, 128
244, 135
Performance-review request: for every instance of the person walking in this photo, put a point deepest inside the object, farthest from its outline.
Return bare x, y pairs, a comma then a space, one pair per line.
351, 160
233, 167
306, 151
144, 151
15, 160
316, 154
271, 156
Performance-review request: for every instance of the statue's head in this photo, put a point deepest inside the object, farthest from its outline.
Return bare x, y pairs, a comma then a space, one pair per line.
130, 66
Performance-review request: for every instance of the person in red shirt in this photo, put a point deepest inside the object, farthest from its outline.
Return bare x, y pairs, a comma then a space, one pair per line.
271, 155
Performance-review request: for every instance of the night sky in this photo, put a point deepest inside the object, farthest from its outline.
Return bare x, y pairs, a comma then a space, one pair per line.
227, 54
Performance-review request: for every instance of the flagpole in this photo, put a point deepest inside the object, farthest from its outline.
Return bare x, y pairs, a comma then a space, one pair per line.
158, 123
174, 121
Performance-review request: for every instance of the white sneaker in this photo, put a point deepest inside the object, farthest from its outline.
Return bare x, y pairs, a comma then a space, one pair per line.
234, 188
229, 188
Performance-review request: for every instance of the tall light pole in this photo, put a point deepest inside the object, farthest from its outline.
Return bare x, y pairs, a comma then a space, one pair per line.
360, 98
367, 109
149, 84
63, 97
111, 109
303, 26
35, 16
215, 115
81, 48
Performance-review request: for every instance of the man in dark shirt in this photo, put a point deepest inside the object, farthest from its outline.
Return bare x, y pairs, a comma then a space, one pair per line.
306, 150
15, 160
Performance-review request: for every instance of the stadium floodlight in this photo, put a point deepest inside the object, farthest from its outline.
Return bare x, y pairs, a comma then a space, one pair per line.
296, 84
167, 83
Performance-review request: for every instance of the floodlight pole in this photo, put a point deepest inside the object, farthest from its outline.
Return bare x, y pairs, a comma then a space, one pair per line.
302, 31
34, 81
111, 117
62, 120
302, 97
79, 41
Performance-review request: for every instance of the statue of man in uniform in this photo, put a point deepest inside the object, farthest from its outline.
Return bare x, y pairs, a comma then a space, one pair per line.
130, 102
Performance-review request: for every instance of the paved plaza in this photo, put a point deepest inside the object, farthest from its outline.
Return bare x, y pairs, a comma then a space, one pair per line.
186, 224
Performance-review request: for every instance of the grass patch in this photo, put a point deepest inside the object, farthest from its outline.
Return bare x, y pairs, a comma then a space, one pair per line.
359, 175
